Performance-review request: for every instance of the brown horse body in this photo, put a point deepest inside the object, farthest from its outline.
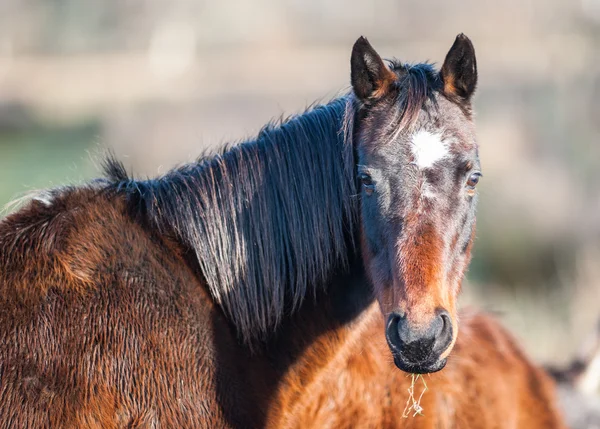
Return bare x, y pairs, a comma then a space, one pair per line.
103, 326
238, 291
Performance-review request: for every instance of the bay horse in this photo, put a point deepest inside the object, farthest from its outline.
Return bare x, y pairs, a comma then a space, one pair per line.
272, 284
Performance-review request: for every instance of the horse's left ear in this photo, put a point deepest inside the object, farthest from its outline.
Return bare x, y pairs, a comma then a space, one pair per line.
459, 72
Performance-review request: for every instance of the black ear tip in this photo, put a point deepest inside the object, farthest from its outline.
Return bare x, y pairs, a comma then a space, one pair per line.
463, 40
361, 41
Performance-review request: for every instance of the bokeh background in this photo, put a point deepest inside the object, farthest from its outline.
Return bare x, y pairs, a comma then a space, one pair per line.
158, 82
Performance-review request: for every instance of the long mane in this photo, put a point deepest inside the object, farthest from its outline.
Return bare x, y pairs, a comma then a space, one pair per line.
268, 220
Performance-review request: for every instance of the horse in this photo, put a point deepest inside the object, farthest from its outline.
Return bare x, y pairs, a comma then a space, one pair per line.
271, 284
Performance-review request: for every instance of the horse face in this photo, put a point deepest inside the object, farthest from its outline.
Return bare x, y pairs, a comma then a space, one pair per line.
418, 168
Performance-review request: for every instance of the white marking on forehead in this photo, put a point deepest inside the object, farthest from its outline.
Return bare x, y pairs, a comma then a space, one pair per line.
428, 148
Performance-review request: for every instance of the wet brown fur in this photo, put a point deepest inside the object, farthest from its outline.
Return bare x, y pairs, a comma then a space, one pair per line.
100, 326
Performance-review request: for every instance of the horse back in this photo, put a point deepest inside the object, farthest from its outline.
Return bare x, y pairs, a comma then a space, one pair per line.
102, 324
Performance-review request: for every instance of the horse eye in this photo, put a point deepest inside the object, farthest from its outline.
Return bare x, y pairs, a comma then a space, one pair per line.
367, 183
473, 179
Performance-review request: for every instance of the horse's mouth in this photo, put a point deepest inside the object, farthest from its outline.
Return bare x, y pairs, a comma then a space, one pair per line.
426, 367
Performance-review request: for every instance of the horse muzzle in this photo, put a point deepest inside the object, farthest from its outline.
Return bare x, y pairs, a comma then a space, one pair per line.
418, 350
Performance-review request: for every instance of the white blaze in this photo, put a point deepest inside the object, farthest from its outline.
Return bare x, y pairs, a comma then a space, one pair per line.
428, 148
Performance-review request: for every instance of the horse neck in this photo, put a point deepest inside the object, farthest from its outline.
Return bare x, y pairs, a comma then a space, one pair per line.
332, 311
268, 221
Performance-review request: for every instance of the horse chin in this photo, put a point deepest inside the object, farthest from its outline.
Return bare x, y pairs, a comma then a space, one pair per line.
421, 367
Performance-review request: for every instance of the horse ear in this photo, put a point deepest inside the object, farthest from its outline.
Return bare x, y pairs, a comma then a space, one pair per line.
459, 72
370, 76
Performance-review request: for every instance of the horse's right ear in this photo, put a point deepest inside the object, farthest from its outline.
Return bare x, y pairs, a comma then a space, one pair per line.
370, 76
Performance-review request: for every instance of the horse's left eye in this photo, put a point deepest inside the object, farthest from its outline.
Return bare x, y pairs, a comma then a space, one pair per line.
473, 180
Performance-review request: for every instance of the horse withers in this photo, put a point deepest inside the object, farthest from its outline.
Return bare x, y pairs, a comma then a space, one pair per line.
224, 293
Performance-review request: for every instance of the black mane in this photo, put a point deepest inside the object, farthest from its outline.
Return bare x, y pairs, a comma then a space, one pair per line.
268, 219
271, 218
416, 84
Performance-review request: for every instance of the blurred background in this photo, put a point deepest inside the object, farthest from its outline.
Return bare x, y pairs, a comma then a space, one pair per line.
158, 82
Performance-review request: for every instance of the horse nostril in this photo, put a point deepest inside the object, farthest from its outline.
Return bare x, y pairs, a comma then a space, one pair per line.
444, 335
392, 332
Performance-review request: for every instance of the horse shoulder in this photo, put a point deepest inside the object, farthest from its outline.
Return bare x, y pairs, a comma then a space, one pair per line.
346, 379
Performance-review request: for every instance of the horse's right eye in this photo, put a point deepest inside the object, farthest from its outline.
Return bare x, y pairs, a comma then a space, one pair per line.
367, 183
365, 179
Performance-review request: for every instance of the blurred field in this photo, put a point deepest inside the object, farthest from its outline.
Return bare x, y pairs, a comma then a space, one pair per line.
158, 82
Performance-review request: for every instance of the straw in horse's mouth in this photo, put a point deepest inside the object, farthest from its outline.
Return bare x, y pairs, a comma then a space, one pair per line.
413, 404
